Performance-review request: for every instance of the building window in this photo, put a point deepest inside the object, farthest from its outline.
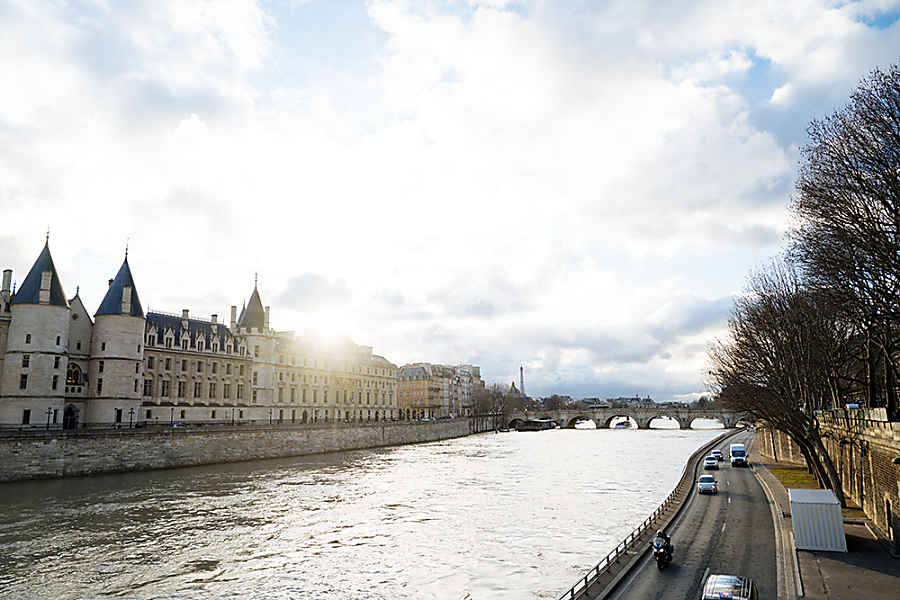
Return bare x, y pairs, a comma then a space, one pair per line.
255, 378
149, 414
184, 344
215, 366
26, 416
183, 413
148, 387
99, 384
165, 388
55, 382
168, 342
215, 347
200, 346
241, 371
255, 350
100, 366
28, 340
150, 362
73, 375
135, 385
23, 381
103, 346
226, 390
315, 393
281, 394
181, 389
304, 395
184, 365
228, 349
240, 414
26, 360
168, 363
78, 345
213, 414
150, 339
118, 415
228, 368
57, 340
199, 367
254, 395
196, 389
293, 394
240, 391
212, 390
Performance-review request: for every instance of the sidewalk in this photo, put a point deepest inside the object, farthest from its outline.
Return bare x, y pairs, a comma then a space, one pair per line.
866, 570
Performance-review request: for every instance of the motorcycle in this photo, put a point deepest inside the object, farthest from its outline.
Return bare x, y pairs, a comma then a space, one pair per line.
662, 552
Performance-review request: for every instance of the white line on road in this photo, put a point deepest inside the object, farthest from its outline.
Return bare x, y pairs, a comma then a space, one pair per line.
729, 500
705, 573
723, 527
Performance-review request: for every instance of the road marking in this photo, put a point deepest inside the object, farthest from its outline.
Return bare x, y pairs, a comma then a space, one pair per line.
729, 500
727, 482
723, 527
705, 573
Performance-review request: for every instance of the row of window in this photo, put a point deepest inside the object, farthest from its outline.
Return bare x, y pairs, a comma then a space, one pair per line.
169, 341
199, 389
166, 364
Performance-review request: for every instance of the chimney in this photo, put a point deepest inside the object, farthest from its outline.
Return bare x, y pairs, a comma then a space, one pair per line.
184, 313
266, 325
233, 316
522, 379
214, 319
7, 280
109, 283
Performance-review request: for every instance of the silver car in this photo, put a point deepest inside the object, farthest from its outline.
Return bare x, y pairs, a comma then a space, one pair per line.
729, 586
707, 484
710, 462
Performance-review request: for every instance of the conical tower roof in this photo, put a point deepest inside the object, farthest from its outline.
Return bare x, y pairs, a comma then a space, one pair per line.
254, 315
112, 302
30, 290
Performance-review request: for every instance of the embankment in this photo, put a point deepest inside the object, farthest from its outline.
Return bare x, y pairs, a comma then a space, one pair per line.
68, 454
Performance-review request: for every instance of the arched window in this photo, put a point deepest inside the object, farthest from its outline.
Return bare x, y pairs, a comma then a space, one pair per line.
73, 375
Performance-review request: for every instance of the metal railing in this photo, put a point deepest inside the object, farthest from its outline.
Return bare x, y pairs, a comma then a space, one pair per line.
687, 476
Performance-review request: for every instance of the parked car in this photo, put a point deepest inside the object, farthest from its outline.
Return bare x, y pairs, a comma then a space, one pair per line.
710, 462
718, 454
729, 586
707, 484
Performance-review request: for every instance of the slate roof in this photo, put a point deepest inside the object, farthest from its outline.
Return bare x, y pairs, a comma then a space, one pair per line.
164, 322
112, 302
30, 290
411, 372
254, 315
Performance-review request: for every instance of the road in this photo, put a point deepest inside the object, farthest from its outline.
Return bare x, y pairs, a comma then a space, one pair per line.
730, 533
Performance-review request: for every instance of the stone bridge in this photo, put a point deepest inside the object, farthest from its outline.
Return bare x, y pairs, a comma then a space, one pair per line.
642, 416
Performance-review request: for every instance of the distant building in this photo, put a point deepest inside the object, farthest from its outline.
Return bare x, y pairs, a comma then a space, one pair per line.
434, 390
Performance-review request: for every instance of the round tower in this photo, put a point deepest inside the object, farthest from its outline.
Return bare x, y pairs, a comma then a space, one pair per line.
34, 370
253, 326
117, 353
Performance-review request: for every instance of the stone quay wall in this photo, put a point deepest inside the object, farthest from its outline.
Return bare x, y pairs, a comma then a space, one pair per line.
65, 454
862, 450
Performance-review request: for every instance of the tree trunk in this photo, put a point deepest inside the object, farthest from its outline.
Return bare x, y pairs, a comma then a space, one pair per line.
828, 464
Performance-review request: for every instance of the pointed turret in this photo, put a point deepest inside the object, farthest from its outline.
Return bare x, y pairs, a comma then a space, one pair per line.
254, 316
41, 285
121, 297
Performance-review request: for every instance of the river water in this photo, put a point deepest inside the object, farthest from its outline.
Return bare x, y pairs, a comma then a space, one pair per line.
492, 516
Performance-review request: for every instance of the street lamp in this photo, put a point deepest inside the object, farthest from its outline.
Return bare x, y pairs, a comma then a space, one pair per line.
49, 412
232, 417
130, 417
171, 416
270, 417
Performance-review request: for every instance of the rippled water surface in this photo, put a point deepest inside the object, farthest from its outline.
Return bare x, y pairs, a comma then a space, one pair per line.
512, 515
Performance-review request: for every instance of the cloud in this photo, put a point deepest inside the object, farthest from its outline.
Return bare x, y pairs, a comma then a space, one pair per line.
311, 291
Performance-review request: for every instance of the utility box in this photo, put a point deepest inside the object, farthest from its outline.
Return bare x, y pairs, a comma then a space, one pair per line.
817, 520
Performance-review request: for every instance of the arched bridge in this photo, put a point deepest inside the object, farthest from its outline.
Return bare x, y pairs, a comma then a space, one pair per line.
642, 416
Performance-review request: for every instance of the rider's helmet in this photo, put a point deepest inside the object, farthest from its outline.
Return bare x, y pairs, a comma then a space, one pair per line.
660, 533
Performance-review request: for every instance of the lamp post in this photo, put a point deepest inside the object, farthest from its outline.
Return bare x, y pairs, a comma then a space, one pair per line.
130, 417
270, 417
49, 412
171, 416
232, 417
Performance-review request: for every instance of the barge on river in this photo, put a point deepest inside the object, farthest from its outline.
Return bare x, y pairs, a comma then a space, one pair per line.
535, 425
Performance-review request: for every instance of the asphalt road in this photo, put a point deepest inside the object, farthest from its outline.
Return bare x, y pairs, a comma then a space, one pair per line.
729, 533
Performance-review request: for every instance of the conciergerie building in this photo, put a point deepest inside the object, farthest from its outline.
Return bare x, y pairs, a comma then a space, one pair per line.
62, 368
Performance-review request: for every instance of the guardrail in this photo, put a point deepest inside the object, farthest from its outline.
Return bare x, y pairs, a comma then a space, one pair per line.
687, 477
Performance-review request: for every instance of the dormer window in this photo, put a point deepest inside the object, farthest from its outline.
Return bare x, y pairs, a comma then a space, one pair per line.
150, 339
168, 342
199, 345
215, 347
184, 344
228, 349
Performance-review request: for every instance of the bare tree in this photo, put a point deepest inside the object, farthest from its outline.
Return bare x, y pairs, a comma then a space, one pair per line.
784, 360
848, 239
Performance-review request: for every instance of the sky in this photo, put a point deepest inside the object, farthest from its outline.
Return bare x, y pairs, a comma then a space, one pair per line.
577, 187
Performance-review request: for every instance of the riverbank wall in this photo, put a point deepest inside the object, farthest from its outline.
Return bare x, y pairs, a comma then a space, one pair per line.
71, 454
862, 449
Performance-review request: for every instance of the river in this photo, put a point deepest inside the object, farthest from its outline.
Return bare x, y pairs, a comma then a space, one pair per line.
491, 516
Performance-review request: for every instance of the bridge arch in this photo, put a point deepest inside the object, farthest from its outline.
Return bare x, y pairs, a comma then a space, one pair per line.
632, 421
570, 424
718, 418
665, 418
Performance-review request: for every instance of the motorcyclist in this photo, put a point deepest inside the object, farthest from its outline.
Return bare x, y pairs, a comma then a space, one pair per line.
663, 540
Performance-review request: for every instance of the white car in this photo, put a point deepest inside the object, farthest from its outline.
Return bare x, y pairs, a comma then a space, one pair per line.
707, 484
710, 462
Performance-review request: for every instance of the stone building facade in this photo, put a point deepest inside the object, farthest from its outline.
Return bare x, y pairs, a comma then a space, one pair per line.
437, 391
59, 368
